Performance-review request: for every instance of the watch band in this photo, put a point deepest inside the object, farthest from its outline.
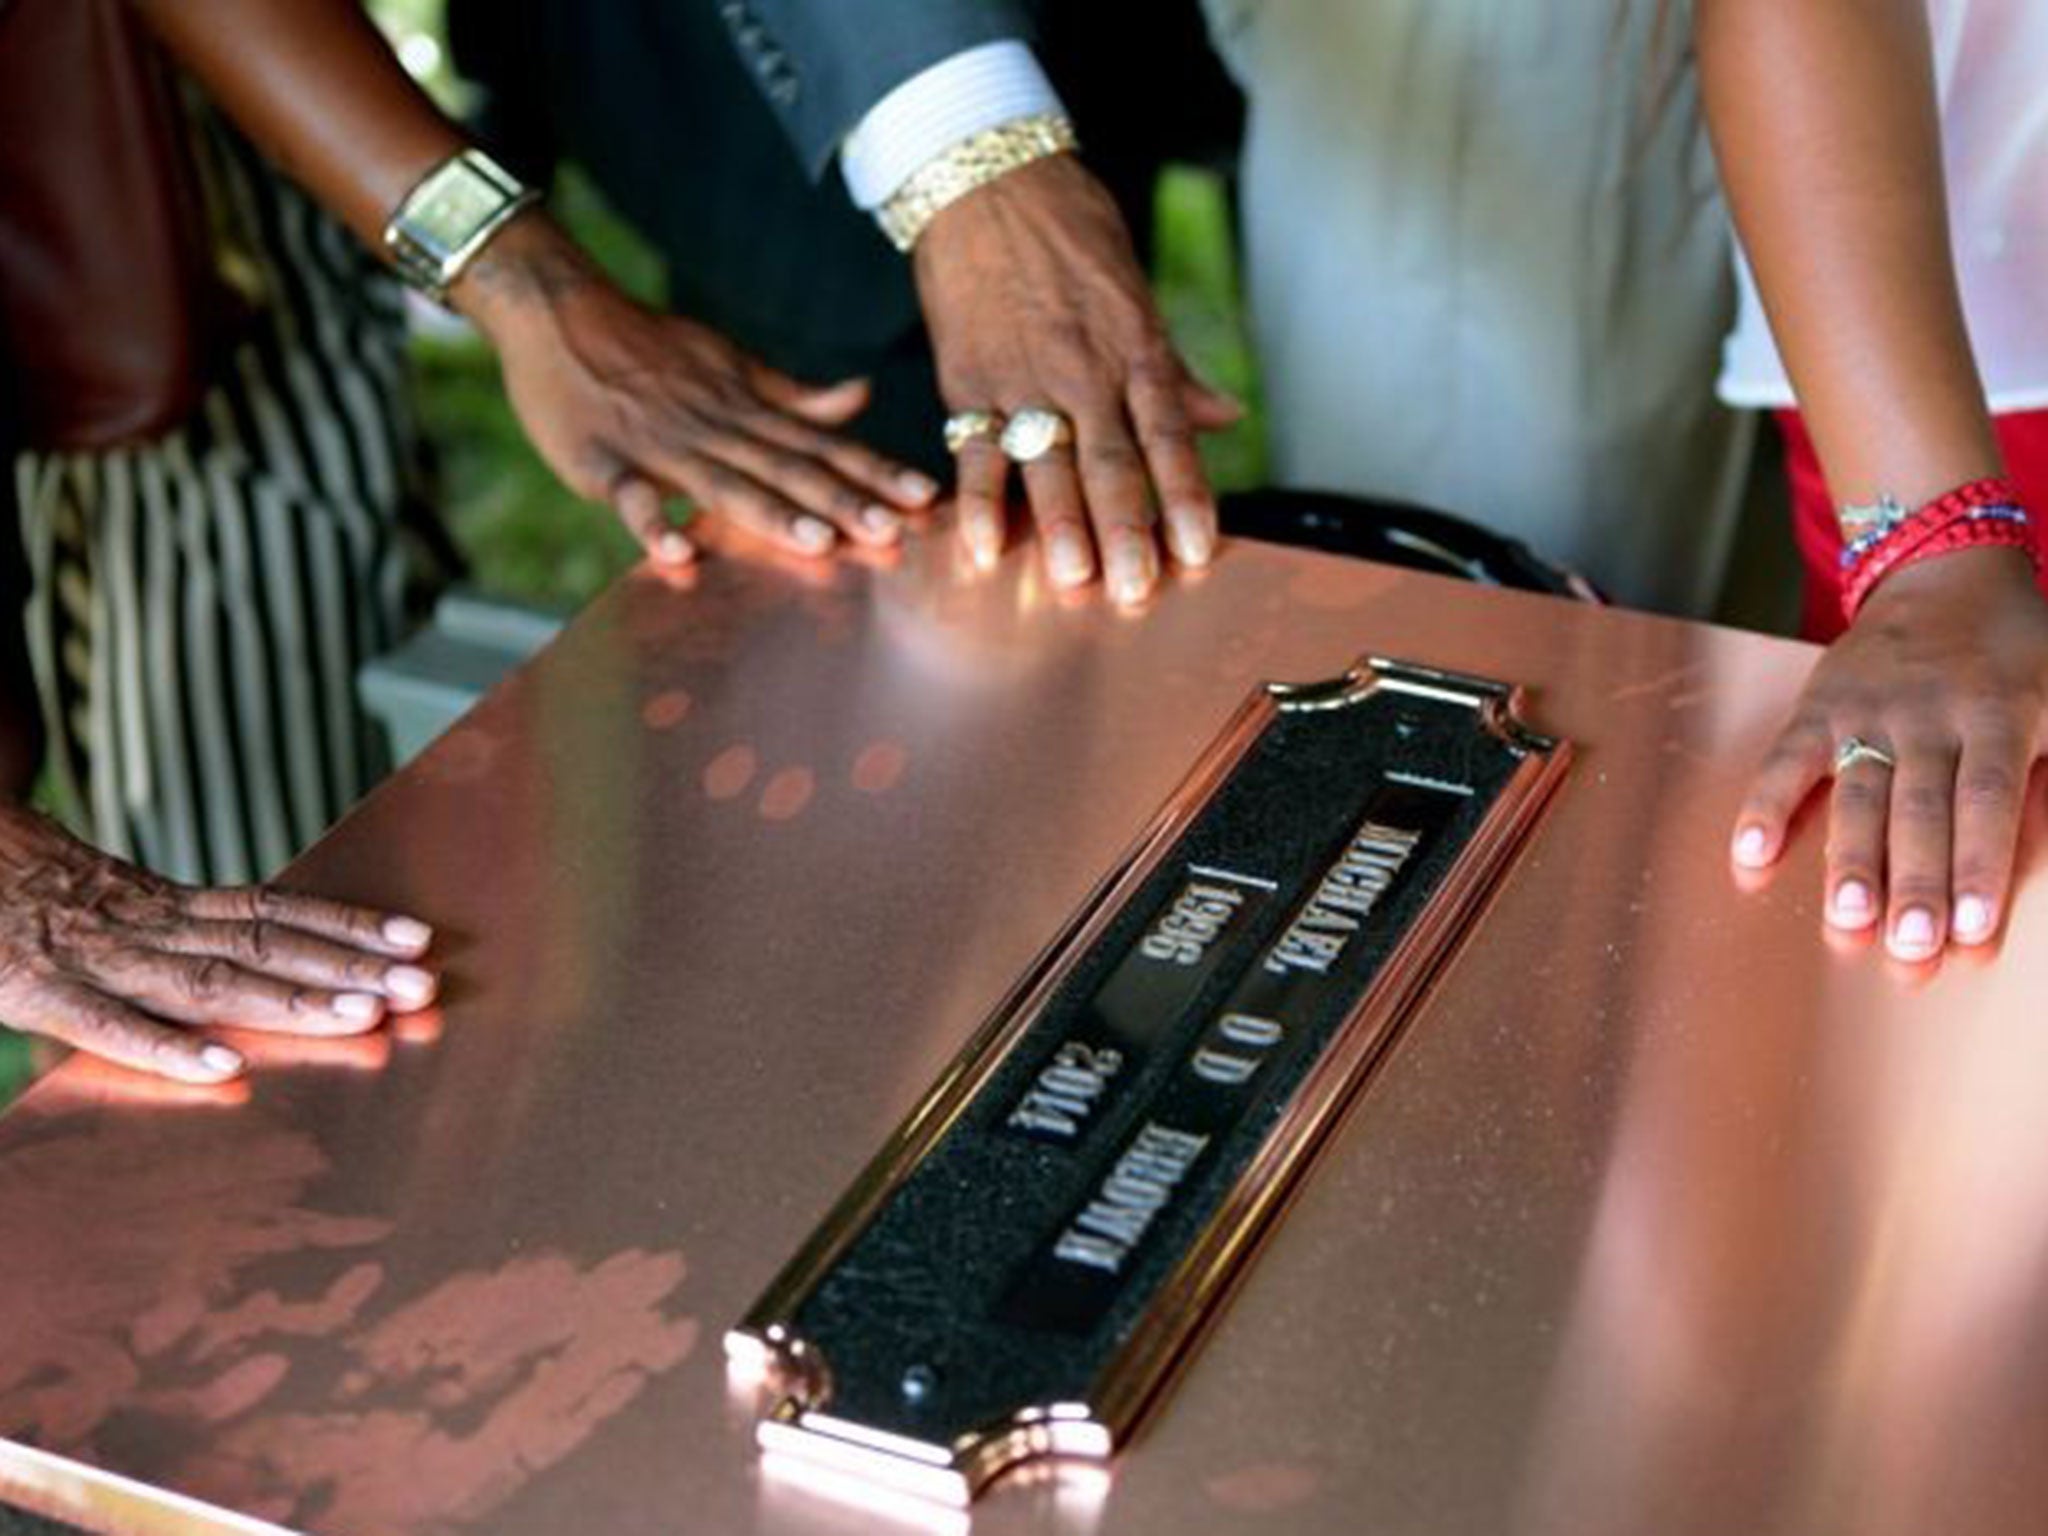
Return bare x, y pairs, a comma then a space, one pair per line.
974, 162
449, 216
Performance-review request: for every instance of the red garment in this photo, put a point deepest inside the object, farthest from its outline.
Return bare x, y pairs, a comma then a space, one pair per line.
2023, 440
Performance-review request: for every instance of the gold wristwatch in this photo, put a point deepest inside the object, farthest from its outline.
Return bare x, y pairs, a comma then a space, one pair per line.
974, 162
449, 217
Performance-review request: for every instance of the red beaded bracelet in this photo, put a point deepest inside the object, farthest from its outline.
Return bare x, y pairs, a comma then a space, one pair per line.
1982, 514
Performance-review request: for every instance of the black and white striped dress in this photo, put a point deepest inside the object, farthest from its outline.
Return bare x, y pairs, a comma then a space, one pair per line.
200, 605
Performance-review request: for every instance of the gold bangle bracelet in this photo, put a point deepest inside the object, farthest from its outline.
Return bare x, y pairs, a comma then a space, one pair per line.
974, 162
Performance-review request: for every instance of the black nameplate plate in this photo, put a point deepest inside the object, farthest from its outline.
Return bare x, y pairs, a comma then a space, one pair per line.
1019, 1270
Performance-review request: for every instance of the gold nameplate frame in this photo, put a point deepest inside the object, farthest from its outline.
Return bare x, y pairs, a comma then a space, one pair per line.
1036, 1248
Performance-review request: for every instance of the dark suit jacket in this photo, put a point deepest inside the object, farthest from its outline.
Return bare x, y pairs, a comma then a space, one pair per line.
823, 63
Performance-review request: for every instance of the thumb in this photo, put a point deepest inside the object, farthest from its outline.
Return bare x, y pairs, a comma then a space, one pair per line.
828, 405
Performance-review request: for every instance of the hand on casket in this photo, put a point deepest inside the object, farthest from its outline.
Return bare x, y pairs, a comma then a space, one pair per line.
1034, 298
1946, 669
114, 960
630, 407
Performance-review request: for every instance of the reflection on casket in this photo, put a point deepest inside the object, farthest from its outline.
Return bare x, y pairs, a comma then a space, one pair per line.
1663, 1214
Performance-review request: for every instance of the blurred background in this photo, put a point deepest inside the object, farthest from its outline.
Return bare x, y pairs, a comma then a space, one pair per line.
529, 541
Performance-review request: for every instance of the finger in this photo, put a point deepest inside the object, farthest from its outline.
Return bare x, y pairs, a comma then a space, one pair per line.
1054, 490
982, 486
1168, 436
829, 405
897, 483
359, 926
292, 955
1210, 409
731, 493
1919, 852
205, 989
639, 503
84, 1017
1858, 810
1790, 771
850, 508
1990, 804
1119, 497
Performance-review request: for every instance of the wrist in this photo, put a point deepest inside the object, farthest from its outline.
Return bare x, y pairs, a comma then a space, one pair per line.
1883, 540
518, 281
1971, 578
980, 161
451, 215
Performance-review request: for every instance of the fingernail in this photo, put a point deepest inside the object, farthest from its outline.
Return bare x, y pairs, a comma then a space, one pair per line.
1853, 906
407, 933
1973, 919
917, 489
812, 535
221, 1060
1067, 559
1753, 848
880, 521
359, 1006
1913, 935
984, 544
409, 984
1194, 541
674, 548
1130, 570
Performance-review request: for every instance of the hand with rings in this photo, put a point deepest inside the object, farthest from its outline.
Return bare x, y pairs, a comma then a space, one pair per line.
1056, 363
1927, 718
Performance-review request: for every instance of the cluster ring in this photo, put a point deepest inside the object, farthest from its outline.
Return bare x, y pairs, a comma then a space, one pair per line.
964, 427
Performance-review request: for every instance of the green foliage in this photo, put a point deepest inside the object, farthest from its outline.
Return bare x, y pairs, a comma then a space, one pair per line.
14, 1065
1196, 277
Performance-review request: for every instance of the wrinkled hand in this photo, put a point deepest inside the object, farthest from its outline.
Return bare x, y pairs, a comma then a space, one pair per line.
628, 406
1034, 298
116, 961
1947, 669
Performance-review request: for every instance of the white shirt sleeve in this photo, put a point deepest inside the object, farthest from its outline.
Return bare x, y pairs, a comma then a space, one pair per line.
935, 109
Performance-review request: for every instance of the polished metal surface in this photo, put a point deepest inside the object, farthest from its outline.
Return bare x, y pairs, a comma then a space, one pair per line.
1665, 1214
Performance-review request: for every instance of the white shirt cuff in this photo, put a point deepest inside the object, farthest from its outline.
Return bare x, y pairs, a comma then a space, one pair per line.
934, 110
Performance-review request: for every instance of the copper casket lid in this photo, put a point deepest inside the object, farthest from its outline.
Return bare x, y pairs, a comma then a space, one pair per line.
1664, 1214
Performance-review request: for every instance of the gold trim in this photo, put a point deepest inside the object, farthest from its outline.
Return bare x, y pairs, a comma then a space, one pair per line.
107, 1504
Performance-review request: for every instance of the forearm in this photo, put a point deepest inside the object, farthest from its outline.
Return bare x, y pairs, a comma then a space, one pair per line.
1824, 118
314, 84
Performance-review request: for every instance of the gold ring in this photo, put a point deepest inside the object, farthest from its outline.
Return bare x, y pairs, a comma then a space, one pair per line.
1854, 750
1034, 432
964, 427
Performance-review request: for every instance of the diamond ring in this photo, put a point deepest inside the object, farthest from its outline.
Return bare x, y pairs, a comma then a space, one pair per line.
1034, 432
1854, 750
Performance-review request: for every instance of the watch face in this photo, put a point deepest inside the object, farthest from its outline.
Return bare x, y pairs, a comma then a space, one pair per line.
452, 208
